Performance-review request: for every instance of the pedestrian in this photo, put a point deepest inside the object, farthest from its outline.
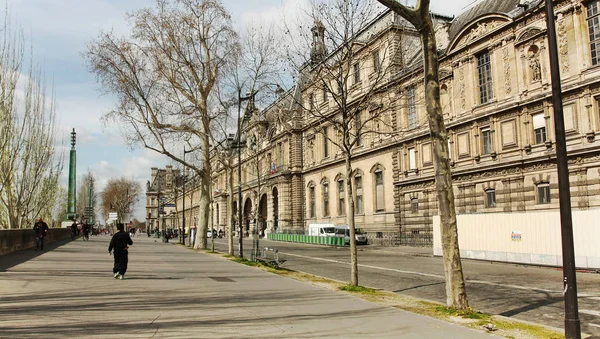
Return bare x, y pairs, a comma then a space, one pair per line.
40, 228
120, 242
73, 230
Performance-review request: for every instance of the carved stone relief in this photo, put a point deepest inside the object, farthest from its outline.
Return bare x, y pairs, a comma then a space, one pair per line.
461, 86
563, 44
507, 77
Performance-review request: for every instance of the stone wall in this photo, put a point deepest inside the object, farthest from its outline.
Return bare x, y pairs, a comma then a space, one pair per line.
15, 240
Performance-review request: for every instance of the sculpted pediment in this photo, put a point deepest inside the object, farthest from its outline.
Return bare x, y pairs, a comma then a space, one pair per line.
528, 34
477, 30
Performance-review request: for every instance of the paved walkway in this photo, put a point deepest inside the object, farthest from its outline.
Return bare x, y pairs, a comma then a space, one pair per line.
173, 292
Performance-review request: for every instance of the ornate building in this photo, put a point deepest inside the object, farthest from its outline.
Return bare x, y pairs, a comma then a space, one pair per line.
160, 194
496, 97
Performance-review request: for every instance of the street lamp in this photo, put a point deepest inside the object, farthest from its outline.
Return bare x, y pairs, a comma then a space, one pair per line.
572, 322
248, 96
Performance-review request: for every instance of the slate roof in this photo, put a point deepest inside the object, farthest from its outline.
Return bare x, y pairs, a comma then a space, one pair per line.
485, 7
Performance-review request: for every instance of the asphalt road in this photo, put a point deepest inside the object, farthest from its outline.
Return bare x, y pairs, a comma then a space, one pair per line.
524, 292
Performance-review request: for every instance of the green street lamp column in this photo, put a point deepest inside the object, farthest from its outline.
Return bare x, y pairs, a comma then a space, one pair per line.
72, 197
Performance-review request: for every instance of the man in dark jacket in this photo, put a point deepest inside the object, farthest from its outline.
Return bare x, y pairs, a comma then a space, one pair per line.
40, 228
120, 242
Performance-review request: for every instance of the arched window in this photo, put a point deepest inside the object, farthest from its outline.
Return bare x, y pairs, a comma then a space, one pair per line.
379, 196
358, 183
311, 200
325, 188
341, 196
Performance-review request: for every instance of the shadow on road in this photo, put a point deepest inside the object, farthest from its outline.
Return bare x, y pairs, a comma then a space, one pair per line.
15, 258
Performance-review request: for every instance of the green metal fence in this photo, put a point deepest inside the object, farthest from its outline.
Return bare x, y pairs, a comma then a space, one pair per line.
307, 239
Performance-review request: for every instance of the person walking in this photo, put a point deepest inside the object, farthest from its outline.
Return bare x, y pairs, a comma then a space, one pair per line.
120, 242
40, 228
73, 230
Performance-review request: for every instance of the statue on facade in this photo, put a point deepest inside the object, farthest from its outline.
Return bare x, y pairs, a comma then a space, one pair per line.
535, 69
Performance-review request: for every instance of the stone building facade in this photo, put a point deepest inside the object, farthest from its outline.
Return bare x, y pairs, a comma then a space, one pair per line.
496, 97
160, 191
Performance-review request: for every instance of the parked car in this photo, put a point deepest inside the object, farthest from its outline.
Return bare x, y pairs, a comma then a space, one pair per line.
359, 234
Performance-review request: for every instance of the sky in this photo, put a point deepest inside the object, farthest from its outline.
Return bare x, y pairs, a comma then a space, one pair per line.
58, 31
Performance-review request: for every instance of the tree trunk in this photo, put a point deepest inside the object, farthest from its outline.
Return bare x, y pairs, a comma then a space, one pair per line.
350, 220
456, 295
204, 208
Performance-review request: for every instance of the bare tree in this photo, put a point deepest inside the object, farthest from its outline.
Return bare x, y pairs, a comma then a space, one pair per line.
29, 165
164, 76
83, 197
420, 18
119, 195
59, 206
345, 96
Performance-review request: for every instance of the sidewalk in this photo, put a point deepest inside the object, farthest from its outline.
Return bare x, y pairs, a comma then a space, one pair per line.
173, 292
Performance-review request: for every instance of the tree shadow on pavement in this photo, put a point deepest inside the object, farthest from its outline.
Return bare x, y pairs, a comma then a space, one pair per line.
15, 258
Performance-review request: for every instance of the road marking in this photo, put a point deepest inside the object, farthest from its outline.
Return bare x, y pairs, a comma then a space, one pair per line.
438, 276
590, 312
482, 282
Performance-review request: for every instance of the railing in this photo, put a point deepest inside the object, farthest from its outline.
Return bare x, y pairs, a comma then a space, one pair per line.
307, 239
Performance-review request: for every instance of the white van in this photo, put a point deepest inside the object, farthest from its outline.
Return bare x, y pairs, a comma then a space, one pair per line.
321, 230
343, 231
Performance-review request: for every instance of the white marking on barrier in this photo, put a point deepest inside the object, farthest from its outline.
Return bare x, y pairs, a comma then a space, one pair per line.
595, 325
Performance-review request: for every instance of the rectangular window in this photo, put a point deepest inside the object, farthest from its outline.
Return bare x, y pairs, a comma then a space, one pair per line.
356, 73
539, 128
325, 199
414, 205
342, 198
325, 143
359, 194
411, 107
379, 203
484, 69
412, 159
486, 141
311, 101
311, 192
490, 198
325, 94
593, 21
376, 61
543, 193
